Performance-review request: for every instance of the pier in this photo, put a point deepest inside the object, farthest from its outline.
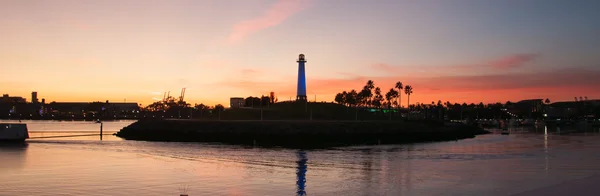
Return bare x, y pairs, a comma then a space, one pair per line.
71, 133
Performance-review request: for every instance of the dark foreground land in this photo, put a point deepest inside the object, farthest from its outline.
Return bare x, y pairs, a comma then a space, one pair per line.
296, 134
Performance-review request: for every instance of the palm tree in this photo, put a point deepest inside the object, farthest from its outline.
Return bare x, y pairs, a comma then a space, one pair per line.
368, 89
408, 90
370, 85
363, 96
378, 98
391, 94
399, 86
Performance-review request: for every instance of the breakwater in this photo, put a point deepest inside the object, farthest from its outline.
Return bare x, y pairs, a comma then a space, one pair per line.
296, 134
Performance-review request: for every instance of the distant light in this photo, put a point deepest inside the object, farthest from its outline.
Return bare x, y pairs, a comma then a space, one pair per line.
545, 115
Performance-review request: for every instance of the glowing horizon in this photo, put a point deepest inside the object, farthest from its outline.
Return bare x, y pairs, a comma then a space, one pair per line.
459, 51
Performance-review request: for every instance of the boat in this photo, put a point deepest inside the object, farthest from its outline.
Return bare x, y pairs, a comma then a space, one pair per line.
13, 132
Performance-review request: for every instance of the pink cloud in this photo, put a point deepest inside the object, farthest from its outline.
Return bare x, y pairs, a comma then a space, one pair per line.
514, 61
275, 15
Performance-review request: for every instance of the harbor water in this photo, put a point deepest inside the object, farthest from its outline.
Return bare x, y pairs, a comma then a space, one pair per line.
491, 164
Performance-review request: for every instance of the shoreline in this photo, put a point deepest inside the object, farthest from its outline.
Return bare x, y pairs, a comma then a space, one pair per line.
296, 133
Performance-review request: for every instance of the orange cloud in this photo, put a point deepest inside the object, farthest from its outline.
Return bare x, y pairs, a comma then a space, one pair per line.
249, 72
273, 16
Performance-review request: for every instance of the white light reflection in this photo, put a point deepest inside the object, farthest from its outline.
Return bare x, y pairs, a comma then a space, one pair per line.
546, 148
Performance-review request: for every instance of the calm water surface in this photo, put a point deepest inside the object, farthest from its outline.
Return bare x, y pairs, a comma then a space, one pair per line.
491, 164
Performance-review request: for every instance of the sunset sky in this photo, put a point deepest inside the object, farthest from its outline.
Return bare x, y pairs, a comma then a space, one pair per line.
449, 50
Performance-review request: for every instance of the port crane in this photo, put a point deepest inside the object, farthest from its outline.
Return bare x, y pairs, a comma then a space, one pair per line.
167, 95
182, 95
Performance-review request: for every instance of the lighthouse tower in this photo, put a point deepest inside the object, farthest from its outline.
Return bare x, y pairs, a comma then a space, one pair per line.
301, 91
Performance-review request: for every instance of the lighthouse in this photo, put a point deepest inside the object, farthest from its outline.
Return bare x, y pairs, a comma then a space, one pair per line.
301, 91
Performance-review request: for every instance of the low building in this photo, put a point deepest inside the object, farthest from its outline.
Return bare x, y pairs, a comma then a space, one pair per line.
236, 102
571, 109
530, 105
8, 99
68, 107
123, 107
530, 108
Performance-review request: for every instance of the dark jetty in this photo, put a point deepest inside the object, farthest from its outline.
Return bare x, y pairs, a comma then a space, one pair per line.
296, 134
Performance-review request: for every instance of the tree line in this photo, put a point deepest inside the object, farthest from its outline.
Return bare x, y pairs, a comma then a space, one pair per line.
371, 96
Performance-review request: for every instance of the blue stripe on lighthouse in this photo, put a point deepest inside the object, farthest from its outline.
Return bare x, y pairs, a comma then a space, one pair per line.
301, 80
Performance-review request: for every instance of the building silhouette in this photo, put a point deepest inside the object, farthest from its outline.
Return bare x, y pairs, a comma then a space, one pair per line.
34, 97
8, 99
236, 102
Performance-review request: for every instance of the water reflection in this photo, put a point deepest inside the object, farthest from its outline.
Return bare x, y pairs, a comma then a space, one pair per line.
13, 156
301, 173
546, 148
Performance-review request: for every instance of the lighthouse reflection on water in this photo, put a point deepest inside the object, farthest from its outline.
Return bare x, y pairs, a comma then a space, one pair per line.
301, 173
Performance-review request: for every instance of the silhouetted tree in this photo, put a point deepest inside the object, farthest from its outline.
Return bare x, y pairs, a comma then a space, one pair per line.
344, 95
366, 94
272, 97
370, 85
339, 98
201, 107
378, 98
408, 90
219, 107
351, 98
363, 97
389, 96
399, 86
264, 100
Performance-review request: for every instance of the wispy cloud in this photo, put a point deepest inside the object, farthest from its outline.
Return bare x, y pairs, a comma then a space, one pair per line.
385, 67
275, 15
514, 61
504, 63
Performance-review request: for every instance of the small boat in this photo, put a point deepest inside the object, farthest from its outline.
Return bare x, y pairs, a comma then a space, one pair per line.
505, 133
13, 132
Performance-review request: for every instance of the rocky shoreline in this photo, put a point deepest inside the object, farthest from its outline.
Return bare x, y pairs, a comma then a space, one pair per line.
296, 134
